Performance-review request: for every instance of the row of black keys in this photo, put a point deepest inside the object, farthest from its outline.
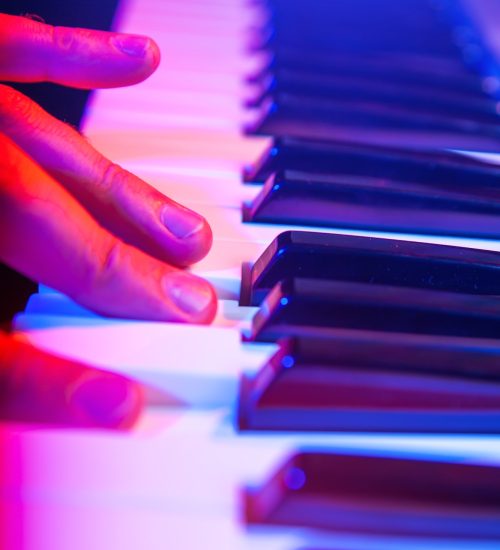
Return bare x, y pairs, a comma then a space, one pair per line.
376, 74
376, 335
332, 373
386, 66
321, 286
329, 184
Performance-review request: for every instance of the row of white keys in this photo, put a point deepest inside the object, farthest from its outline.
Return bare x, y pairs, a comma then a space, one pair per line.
175, 481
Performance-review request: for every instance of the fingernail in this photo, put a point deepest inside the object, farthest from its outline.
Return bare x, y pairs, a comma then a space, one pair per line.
130, 44
105, 400
189, 293
181, 222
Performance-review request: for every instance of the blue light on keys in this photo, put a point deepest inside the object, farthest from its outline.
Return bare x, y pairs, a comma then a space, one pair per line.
295, 479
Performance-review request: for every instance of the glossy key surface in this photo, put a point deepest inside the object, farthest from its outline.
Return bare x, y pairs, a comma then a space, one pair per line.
370, 260
380, 203
361, 87
453, 57
380, 494
384, 27
307, 306
363, 381
417, 71
444, 167
325, 118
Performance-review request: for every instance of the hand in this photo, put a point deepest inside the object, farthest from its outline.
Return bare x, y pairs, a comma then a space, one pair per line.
69, 217
38, 387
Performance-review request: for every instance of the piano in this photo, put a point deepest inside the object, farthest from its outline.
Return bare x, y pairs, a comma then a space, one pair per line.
195, 472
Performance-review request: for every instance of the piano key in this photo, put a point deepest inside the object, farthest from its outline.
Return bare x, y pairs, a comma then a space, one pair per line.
363, 88
370, 260
343, 492
338, 26
445, 167
323, 118
370, 202
298, 307
154, 492
202, 375
444, 75
349, 381
472, 358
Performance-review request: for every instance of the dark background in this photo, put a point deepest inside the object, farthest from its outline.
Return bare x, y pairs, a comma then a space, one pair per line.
64, 103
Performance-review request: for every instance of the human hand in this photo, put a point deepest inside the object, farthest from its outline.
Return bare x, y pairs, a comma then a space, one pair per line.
69, 217
39, 387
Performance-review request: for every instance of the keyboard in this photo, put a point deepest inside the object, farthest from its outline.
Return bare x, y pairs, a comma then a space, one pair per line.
201, 470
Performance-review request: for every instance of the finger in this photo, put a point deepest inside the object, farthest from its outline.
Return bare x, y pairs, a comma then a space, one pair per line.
120, 201
38, 387
47, 235
81, 58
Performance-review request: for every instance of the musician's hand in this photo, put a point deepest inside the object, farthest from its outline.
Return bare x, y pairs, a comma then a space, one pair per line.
38, 387
68, 216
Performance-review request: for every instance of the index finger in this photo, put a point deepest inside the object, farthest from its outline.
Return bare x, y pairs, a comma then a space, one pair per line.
81, 58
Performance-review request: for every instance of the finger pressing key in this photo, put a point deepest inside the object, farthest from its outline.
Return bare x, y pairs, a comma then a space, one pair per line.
121, 202
47, 235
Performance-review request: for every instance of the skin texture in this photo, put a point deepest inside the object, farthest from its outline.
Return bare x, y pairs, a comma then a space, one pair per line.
69, 217
79, 223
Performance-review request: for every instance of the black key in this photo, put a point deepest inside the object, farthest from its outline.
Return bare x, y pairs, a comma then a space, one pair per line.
380, 495
361, 26
305, 307
419, 71
368, 381
329, 118
382, 29
442, 167
370, 260
376, 203
360, 88
471, 358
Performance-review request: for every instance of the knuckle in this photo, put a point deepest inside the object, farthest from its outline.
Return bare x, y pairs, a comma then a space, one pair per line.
63, 39
113, 177
102, 269
71, 43
111, 260
108, 265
